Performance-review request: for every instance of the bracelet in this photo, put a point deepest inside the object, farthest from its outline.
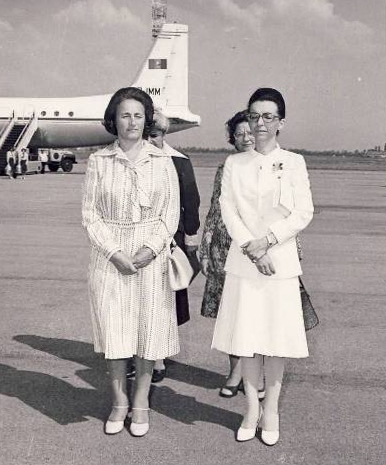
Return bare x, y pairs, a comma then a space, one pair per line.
256, 259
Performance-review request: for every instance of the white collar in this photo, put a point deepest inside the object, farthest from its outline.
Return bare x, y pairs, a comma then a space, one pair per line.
168, 150
114, 149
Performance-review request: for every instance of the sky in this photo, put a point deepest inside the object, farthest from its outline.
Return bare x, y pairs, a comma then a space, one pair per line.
327, 57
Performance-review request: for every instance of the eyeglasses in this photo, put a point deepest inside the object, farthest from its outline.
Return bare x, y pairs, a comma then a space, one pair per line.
267, 117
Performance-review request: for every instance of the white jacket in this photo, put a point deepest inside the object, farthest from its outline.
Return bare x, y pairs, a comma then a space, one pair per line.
262, 193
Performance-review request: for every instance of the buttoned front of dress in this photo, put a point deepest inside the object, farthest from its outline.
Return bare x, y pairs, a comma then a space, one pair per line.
263, 193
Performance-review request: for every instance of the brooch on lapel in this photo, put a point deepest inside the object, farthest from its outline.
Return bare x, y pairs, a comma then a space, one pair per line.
277, 168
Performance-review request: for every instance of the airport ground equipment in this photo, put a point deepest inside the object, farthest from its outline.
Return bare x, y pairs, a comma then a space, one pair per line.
33, 166
17, 133
58, 158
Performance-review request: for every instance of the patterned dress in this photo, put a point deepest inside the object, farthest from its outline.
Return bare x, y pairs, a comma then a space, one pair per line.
127, 205
215, 244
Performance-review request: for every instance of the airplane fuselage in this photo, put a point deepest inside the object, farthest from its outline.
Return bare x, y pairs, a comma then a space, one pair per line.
68, 122
78, 121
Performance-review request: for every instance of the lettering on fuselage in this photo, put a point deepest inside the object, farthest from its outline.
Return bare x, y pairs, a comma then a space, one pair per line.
151, 90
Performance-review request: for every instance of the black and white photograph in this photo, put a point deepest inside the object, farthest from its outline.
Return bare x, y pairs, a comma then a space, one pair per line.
193, 232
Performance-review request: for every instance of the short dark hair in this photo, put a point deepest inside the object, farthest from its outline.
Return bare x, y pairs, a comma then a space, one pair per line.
272, 95
231, 124
127, 93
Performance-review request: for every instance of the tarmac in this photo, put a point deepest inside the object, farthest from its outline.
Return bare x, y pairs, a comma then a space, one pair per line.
54, 395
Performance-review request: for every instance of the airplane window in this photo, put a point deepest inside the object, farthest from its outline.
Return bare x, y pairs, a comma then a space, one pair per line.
70, 113
43, 113
56, 113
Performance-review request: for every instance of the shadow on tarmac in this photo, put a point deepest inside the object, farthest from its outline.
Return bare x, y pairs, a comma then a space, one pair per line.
51, 396
64, 403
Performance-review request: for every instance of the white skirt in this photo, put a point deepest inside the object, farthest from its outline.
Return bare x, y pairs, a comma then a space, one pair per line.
261, 317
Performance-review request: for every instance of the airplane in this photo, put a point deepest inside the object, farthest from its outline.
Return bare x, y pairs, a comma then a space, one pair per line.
77, 121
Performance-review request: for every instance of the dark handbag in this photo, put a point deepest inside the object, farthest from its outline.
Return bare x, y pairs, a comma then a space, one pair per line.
309, 315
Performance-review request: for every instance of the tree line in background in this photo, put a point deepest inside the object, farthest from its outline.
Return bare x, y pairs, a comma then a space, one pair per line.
324, 153
83, 153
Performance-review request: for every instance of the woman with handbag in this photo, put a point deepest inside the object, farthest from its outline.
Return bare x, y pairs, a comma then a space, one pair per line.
131, 212
265, 202
214, 248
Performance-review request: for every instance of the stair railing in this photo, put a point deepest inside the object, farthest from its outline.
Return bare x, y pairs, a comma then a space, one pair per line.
7, 128
27, 132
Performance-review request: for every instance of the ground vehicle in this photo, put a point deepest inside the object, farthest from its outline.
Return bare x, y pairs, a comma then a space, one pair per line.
33, 166
58, 158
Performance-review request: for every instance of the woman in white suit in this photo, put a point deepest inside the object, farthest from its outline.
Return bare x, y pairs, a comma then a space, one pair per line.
265, 202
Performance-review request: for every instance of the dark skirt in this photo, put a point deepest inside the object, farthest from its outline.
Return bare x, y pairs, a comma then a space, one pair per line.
23, 166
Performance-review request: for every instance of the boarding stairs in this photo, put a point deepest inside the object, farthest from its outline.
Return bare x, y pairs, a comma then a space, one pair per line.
17, 133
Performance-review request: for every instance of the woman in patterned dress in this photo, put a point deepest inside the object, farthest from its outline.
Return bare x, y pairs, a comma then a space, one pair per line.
265, 202
131, 212
215, 244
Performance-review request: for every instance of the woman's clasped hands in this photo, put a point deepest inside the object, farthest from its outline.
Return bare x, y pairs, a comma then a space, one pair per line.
130, 265
256, 251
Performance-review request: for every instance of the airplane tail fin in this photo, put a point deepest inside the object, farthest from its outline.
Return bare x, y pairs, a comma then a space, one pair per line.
164, 76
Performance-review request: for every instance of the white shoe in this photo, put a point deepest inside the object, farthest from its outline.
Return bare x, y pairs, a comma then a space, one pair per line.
115, 426
270, 438
139, 429
246, 434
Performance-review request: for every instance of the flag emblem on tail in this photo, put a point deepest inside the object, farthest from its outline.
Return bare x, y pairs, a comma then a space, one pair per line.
157, 63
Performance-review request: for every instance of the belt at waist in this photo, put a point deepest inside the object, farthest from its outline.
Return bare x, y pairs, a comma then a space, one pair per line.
130, 224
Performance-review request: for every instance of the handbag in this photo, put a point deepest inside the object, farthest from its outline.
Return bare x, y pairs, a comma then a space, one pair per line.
309, 314
180, 270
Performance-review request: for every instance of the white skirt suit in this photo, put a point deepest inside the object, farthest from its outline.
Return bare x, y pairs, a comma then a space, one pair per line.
127, 205
263, 314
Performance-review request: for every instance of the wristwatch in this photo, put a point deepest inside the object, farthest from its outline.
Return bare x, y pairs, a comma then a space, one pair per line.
270, 240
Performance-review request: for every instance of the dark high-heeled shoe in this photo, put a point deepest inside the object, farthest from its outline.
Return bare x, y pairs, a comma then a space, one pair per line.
233, 390
158, 375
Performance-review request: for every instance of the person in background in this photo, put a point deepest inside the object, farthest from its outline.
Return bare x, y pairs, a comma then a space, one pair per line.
43, 157
23, 162
189, 222
11, 163
265, 202
131, 212
215, 244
